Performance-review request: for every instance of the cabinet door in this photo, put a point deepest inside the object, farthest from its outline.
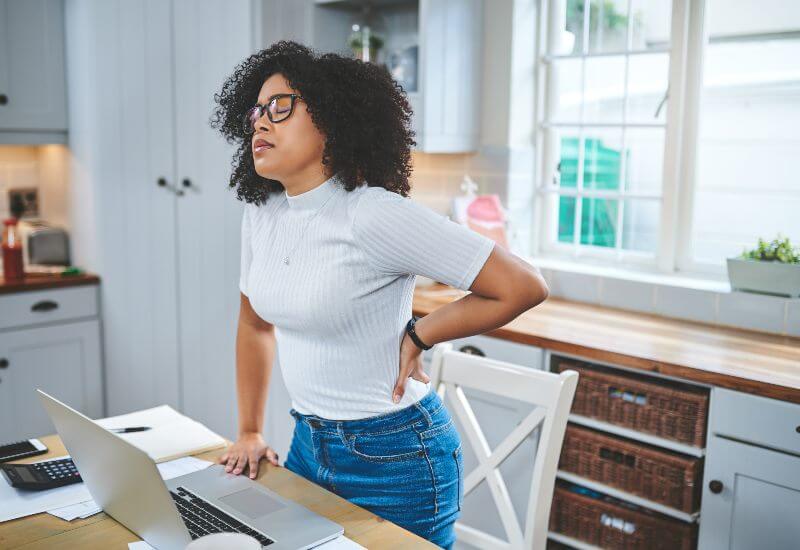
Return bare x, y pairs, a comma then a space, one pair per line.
62, 360
450, 56
124, 222
32, 65
210, 38
759, 499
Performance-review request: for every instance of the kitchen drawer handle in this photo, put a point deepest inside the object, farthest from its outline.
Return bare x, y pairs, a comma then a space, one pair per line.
3, 363
44, 305
3, 99
715, 486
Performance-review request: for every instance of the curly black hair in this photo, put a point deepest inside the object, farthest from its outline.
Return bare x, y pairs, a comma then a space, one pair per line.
361, 110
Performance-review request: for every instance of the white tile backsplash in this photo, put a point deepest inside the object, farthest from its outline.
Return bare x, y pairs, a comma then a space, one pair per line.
753, 311
624, 294
686, 303
735, 309
793, 317
574, 286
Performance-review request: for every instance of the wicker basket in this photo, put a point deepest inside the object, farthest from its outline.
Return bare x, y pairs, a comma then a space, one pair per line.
610, 523
658, 475
672, 410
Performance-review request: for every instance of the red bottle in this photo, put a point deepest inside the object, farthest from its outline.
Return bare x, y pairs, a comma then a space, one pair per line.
12, 251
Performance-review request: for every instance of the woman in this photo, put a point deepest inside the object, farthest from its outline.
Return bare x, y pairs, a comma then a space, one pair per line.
331, 245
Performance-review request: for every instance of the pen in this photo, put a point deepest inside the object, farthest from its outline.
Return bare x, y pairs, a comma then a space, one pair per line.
129, 430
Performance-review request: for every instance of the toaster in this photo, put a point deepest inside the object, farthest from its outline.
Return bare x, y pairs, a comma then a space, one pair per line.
44, 244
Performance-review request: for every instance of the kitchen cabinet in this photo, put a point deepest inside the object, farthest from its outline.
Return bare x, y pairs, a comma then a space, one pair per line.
154, 214
33, 101
55, 348
751, 492
445, 94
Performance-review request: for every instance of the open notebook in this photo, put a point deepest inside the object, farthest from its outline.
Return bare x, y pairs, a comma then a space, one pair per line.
172, 435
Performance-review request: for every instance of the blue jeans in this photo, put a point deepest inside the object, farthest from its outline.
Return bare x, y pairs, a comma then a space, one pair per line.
404, 466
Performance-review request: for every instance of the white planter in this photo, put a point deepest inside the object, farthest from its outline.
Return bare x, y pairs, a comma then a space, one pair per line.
765, 277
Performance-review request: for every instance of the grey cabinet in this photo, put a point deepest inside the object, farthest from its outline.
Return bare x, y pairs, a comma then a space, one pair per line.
33, 102
751, 493
58, 352
160, 223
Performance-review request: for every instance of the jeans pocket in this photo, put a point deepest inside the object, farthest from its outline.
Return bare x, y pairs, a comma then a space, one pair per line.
457, 456
395, 446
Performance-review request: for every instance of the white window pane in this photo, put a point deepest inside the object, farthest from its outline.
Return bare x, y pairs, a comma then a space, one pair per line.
652, 21
605, 89
640, 225
648, 76
608, 25
566, 84
602, 159
644, 160
749, 137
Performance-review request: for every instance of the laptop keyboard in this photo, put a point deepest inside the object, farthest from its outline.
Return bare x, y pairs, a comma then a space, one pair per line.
202, 518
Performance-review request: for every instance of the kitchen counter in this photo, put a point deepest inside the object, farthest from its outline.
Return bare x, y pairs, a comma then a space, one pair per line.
41, 281
742, 360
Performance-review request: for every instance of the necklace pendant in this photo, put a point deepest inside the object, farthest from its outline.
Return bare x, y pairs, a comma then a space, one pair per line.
286, 260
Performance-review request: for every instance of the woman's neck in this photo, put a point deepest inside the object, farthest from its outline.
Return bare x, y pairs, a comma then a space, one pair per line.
305, 181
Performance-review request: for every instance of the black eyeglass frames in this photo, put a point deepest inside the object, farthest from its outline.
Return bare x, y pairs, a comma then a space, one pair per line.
279, 107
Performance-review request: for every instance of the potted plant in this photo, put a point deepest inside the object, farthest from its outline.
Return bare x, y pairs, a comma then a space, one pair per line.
361, 37
770, 268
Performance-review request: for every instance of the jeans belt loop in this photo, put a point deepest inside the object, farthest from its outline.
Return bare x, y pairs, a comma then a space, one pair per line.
424, 413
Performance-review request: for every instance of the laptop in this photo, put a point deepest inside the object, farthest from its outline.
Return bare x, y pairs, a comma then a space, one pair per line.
124, 481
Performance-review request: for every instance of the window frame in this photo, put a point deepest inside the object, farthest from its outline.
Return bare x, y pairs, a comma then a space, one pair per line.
673, 251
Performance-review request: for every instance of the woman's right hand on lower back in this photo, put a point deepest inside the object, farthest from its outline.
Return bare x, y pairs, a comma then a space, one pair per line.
248, 450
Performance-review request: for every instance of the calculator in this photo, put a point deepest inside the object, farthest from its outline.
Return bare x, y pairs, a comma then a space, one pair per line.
41, 475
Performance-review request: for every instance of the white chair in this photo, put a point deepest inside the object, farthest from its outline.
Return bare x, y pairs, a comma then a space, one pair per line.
552, 394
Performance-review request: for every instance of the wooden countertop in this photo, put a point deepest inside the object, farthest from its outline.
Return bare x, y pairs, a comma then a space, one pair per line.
41, 281
747, 361
101, 531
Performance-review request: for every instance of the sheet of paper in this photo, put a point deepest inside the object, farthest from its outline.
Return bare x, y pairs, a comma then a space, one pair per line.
339, 543
172, 435
15, 503
168, 470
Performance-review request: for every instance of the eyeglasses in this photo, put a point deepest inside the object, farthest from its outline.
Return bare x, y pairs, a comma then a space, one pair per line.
279, 107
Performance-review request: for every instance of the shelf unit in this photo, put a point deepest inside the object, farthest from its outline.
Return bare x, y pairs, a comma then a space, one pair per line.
643, 502
639, 436
622, 431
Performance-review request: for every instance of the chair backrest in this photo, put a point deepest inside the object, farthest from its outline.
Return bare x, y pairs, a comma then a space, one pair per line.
552, 396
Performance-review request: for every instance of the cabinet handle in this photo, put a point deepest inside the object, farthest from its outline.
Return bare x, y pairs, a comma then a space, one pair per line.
472, 350
3, 363
44, 305
715, 486
187, 182
162, 182
3, 99
797, 429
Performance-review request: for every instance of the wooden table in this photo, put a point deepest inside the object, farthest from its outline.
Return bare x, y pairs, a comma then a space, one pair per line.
103, 532
742, 360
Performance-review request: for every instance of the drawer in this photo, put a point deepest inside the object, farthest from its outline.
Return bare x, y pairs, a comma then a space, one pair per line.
755, 419
497, 348
47, 306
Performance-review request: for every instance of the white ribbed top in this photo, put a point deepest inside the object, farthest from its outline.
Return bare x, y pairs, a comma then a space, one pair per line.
341, 304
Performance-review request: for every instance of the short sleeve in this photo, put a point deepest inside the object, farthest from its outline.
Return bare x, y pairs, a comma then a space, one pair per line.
247, 252
401, 236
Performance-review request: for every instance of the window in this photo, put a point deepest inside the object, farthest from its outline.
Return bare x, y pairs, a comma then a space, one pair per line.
656, 137
746, 182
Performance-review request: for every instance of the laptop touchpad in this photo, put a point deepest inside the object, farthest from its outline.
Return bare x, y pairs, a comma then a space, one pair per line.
252, 502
